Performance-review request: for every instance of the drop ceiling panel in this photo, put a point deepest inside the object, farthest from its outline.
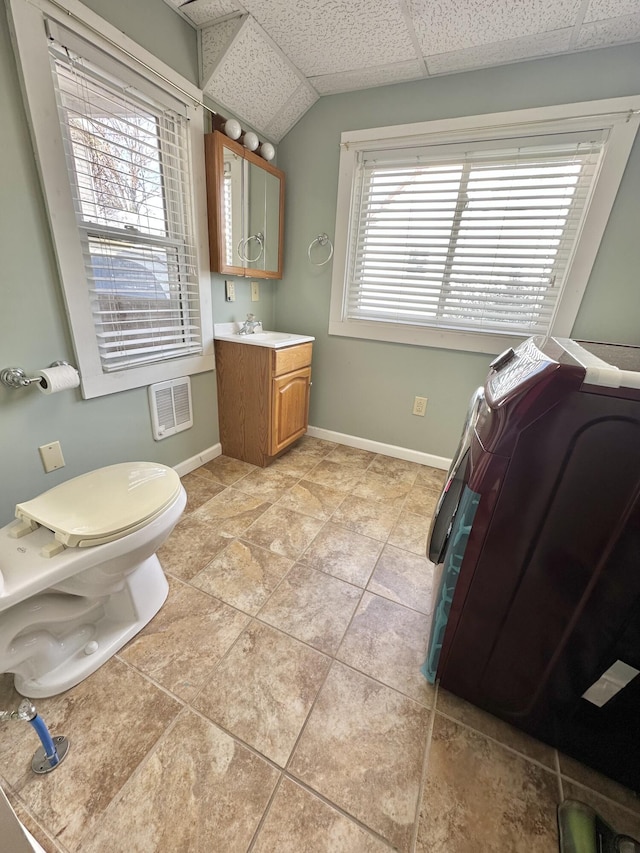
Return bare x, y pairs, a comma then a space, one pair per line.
205, 11
600, 9
297, 105
252, 79
499, 53
213, 43
366, 78
328, 36
447, 26
613, 31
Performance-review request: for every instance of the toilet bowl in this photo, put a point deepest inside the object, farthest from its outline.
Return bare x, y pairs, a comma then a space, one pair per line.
79, 575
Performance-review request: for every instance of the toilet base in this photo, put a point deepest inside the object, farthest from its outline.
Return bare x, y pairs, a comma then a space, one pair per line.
90, 644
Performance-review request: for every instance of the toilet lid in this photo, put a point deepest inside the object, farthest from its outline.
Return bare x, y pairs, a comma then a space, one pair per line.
105, 504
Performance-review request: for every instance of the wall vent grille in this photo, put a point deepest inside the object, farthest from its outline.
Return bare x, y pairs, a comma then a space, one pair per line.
170, 406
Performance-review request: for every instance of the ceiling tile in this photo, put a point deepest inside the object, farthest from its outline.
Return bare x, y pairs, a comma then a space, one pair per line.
252, 79
303, 98
328, 36
498, 53
366, 78
613, 31
451, 25
214, 41
204, 11
599, 10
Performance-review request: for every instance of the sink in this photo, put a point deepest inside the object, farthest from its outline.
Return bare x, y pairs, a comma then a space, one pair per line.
275, 340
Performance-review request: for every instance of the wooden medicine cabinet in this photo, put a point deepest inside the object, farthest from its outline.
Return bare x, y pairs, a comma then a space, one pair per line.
245, 203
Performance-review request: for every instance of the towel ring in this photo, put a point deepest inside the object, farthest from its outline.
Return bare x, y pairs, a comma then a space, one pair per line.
243, 245
321, 240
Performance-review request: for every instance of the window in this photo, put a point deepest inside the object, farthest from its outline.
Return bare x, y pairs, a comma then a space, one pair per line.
125, 222
472, 242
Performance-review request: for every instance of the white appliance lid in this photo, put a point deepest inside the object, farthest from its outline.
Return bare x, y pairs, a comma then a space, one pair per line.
104, 503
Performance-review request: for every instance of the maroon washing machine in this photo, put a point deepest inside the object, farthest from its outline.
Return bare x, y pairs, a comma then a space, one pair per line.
536, 538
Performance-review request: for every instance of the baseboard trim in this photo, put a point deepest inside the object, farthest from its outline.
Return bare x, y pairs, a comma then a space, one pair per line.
194, 462
380, 447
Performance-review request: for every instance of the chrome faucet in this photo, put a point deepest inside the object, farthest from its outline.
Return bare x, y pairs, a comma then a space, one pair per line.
249, 325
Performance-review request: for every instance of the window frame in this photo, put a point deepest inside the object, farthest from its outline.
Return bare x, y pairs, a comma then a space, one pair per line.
27, 24
620, 116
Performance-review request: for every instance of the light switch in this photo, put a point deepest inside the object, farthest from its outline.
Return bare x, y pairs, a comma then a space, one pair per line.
255, 291
51, 455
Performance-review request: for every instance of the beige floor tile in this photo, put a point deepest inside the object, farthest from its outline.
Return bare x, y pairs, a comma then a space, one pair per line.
380, 487
335, 475
231, 512
199, 792
431, 478
299, 822
295, 463
622, 820
312, 446
410, 533
193, 543
312, 499
263, 690
362, 748
112, 719
199, 490
368, 517
398, 469
388, 642
480, 796
312, 606
485, 723
403, 577
185, 640
422, 501
43, 838
225, 470
244, 575
268, 484
343, 553
354, 456
589, 778
283, 531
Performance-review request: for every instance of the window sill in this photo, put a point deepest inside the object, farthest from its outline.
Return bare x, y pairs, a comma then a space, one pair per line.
492, 344
138, 377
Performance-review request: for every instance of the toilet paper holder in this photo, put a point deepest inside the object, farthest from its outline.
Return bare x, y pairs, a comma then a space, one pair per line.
15, 377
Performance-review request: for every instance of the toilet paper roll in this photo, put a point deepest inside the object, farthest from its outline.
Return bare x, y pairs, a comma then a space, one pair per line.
54, 379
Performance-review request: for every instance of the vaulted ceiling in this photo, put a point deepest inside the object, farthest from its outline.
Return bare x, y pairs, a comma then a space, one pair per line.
268, 61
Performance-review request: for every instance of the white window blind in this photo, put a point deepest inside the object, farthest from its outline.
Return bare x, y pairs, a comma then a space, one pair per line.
128, 162
468, 237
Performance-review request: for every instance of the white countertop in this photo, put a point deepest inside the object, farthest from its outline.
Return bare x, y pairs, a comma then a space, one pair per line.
273, 340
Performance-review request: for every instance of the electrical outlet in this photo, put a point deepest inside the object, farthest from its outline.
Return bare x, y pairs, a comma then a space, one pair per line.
419, 406
230, 291
51, 455
255, 291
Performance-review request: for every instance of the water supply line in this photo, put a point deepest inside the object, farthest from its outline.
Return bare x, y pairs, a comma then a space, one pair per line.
53, 749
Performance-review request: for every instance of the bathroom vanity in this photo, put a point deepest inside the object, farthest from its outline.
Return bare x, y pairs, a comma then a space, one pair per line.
263, 393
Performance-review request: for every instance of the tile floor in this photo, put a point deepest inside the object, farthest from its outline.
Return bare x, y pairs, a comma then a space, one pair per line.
275, 703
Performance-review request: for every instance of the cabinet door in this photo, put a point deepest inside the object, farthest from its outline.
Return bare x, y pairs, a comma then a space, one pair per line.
245, 205
290, 408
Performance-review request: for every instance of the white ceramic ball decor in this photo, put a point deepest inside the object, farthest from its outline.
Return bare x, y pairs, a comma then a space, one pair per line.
250, 141
267, 151
232, 128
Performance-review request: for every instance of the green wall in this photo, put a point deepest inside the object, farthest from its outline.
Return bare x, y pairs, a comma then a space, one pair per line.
33, 326
366, 388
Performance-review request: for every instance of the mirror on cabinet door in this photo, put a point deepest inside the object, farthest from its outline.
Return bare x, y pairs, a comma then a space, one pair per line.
245, 199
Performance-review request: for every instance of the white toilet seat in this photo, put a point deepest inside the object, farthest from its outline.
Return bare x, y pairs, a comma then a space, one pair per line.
104, 505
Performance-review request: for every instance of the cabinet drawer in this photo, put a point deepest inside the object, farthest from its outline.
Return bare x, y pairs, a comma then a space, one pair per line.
291, 358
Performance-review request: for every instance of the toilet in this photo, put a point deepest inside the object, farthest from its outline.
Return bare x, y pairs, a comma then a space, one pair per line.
79, 575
